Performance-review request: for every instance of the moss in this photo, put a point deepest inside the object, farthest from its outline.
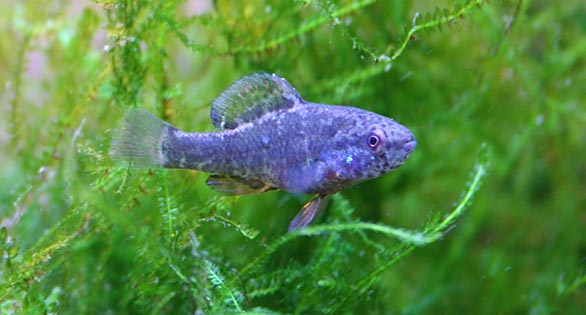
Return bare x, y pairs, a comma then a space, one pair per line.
492, 91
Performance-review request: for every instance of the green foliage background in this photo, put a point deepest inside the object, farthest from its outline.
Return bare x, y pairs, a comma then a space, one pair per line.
494, 92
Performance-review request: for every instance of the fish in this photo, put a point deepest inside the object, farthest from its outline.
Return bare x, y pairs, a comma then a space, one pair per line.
267, 138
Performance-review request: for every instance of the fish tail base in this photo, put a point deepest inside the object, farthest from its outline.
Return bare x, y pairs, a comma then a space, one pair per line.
138, 141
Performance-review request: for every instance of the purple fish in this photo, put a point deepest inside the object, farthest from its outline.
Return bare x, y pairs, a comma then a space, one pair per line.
270, 138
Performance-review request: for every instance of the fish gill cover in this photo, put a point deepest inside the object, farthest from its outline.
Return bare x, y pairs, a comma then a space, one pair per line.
477, 83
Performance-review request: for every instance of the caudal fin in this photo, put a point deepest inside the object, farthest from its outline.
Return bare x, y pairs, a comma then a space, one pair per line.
137, 142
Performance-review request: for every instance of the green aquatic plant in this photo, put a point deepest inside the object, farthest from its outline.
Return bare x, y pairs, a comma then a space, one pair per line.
80, 234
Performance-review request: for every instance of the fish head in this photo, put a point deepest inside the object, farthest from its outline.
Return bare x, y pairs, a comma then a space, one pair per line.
391, 144
373, 146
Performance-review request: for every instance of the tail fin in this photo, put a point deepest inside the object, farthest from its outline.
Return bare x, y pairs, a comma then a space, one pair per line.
137, 142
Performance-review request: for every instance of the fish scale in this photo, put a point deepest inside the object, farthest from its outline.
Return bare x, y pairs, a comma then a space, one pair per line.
269, 138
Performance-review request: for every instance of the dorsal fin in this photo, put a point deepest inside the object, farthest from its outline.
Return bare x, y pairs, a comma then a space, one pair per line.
250, 98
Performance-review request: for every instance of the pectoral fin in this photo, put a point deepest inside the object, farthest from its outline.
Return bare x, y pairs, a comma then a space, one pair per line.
236, 186
310, 211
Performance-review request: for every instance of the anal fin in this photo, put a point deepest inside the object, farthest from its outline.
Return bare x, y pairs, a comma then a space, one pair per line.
236, 185
310, 211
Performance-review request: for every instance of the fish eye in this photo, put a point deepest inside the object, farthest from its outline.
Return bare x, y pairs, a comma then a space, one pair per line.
373, 140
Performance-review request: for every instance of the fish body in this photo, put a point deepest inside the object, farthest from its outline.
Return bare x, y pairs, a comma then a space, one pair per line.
270, 138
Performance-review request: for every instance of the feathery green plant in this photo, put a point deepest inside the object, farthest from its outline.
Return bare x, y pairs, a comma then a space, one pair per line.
81, 235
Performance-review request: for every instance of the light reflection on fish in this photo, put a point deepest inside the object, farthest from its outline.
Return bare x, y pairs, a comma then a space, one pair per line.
270, 138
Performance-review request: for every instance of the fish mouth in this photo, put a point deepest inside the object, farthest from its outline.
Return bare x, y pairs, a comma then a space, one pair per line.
410, 145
